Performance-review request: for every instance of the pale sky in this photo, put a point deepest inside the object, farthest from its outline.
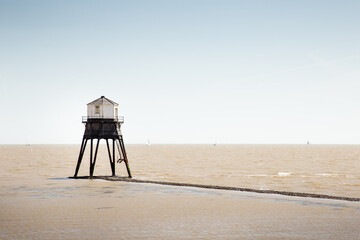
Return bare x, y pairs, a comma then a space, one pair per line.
186, 71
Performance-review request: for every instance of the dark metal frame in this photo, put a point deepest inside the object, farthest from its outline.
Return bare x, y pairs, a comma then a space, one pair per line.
115, 135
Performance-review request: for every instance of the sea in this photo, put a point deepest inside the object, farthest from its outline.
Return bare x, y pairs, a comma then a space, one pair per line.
39, 200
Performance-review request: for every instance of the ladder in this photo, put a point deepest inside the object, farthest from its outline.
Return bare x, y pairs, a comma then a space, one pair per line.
118, 147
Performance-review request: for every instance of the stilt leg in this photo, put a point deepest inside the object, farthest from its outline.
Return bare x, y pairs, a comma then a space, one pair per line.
112, 161
122, 146
81, 154
92, 165
114, 157
91, 155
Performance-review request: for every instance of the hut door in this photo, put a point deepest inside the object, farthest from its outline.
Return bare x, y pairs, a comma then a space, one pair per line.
97, 111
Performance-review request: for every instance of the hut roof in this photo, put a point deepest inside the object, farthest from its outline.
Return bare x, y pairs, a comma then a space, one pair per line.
103, 100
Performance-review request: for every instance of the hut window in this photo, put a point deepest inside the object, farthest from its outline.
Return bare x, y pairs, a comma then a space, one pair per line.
97, 109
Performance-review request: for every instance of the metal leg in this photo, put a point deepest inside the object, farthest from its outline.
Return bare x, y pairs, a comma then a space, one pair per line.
114, 157
92, 166
81, 154
112, 161
91, 155
122, 146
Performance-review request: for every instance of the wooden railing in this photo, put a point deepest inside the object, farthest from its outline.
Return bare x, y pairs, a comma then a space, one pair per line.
119, 119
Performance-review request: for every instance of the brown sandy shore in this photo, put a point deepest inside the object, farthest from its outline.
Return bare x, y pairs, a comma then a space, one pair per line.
286, 193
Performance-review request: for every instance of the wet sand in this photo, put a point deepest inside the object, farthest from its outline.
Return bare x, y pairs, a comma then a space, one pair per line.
93, 209
228, 188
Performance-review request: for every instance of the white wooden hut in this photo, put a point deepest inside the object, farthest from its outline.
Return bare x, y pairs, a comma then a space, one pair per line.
102, 108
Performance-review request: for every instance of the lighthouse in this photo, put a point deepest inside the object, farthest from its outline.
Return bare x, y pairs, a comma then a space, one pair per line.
102, 122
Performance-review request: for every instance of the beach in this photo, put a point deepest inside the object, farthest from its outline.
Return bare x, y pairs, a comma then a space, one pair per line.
39, 201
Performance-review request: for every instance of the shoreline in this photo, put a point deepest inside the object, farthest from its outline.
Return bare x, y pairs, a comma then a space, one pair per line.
217, 187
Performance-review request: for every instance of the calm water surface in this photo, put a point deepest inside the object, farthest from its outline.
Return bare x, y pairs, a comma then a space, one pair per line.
38, 201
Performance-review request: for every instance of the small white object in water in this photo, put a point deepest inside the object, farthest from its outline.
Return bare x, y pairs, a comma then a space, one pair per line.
284, 174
